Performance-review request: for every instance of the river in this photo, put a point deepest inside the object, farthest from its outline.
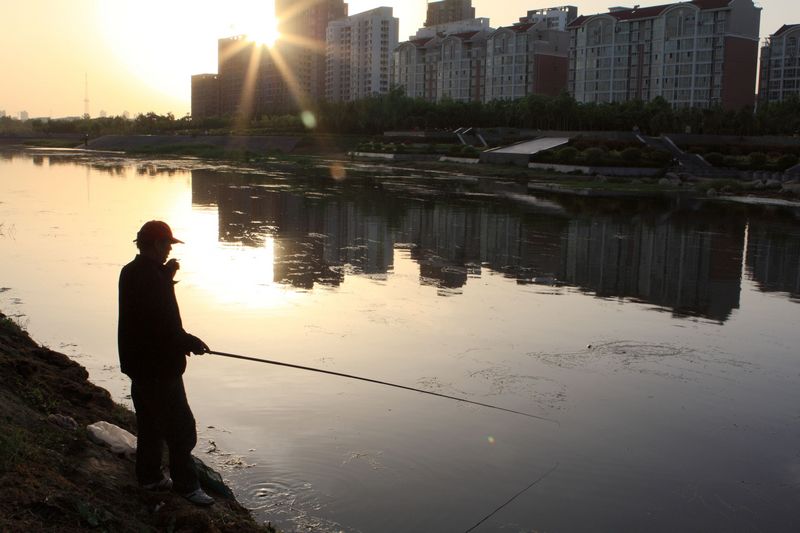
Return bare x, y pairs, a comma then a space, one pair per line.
658, 337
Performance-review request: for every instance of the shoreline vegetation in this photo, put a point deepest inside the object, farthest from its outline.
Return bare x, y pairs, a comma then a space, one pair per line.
54, 478
313, 155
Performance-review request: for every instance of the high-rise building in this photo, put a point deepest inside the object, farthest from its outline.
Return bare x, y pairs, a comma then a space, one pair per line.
303, 27
359, 53
444, 61
445, 11
693, 54
556, 18
2, 113
205, 96
527, 58
469, 61
251, 79
23, 115
780, 65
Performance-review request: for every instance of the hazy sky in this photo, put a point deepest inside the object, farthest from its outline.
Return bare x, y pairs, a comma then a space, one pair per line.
139, 54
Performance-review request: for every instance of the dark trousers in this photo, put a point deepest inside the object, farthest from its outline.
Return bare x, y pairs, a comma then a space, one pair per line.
163, 416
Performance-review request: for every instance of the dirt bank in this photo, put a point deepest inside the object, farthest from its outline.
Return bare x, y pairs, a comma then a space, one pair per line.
53, 478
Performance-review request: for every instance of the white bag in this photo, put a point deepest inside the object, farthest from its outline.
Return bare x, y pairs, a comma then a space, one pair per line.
116, 438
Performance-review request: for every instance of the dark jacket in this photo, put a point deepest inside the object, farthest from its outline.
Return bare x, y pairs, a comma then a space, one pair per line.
152, 342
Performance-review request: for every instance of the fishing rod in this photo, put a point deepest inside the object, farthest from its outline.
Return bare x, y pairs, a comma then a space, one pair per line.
378, 382
514, 497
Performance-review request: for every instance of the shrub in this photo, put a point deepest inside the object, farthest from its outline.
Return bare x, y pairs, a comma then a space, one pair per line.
469, 151
659, 157
594, 155
715, 159
454, 150
787, 161
631, 154
567, 154
757, 159
731, 161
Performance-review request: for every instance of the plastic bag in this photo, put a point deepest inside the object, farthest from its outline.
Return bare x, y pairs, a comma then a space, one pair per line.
116, 438
210, 479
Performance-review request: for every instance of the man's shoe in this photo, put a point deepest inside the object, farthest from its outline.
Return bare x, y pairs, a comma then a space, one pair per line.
165, 483
199, 497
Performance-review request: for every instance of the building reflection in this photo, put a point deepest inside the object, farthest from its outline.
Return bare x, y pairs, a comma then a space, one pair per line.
686, 263
692, 267
773, 257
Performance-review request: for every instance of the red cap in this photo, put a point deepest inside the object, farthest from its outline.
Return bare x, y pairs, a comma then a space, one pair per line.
156, 230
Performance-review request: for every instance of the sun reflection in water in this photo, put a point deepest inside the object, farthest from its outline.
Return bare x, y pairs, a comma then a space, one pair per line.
229, 273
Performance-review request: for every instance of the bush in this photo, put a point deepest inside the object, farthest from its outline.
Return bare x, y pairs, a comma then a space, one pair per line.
730, 161
632, 154
659, 157
787, 161
454, 150
757, 160
715, 159
469, 151
594, 155
567, 155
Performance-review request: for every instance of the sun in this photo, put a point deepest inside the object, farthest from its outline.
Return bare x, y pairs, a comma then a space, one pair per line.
265, 33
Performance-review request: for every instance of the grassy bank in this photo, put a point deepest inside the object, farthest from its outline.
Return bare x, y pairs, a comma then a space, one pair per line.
54, 478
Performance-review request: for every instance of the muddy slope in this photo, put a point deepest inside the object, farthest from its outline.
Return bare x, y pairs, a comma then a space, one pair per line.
53, 478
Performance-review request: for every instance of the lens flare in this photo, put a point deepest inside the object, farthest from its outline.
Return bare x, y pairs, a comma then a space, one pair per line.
490, 439
338, 171
309, 120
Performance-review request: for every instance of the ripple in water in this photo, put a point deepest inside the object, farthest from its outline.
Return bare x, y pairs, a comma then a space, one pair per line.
662, 359
290, 506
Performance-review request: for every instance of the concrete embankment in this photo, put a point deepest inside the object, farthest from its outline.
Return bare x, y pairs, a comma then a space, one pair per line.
54, 478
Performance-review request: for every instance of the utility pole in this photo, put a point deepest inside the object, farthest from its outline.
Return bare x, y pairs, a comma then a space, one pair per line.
86, 96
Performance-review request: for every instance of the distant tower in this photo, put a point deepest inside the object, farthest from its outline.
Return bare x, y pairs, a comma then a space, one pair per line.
446, 11
86, 96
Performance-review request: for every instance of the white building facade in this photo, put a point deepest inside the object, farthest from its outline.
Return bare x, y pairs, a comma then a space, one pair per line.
359, 55
693, 54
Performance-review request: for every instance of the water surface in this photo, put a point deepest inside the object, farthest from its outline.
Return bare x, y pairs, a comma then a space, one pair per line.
660, 335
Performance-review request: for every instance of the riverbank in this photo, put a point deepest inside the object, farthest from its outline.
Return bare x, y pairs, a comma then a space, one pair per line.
324, 160
54, 478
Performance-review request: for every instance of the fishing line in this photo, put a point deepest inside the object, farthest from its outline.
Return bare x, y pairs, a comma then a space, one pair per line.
350, 376
514, 497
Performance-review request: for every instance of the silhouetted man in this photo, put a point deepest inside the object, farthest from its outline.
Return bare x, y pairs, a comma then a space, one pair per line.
152, 351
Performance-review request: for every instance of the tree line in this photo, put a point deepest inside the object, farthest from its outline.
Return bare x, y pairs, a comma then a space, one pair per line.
396, 111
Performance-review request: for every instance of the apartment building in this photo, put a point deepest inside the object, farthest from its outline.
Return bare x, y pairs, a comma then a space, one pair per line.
303, 26
555, 18
445, 61
205, 96
780, 65
359, 53
526, 58
447, 11
470, 61
693, 54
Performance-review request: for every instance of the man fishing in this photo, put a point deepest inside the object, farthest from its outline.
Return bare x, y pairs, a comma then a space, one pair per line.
152, 351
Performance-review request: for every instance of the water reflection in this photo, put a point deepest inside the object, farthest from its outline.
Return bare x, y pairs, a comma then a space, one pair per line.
773, 257
671, 255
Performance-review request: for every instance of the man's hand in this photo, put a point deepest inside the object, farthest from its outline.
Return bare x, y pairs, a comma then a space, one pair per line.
197, 346
171, 267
